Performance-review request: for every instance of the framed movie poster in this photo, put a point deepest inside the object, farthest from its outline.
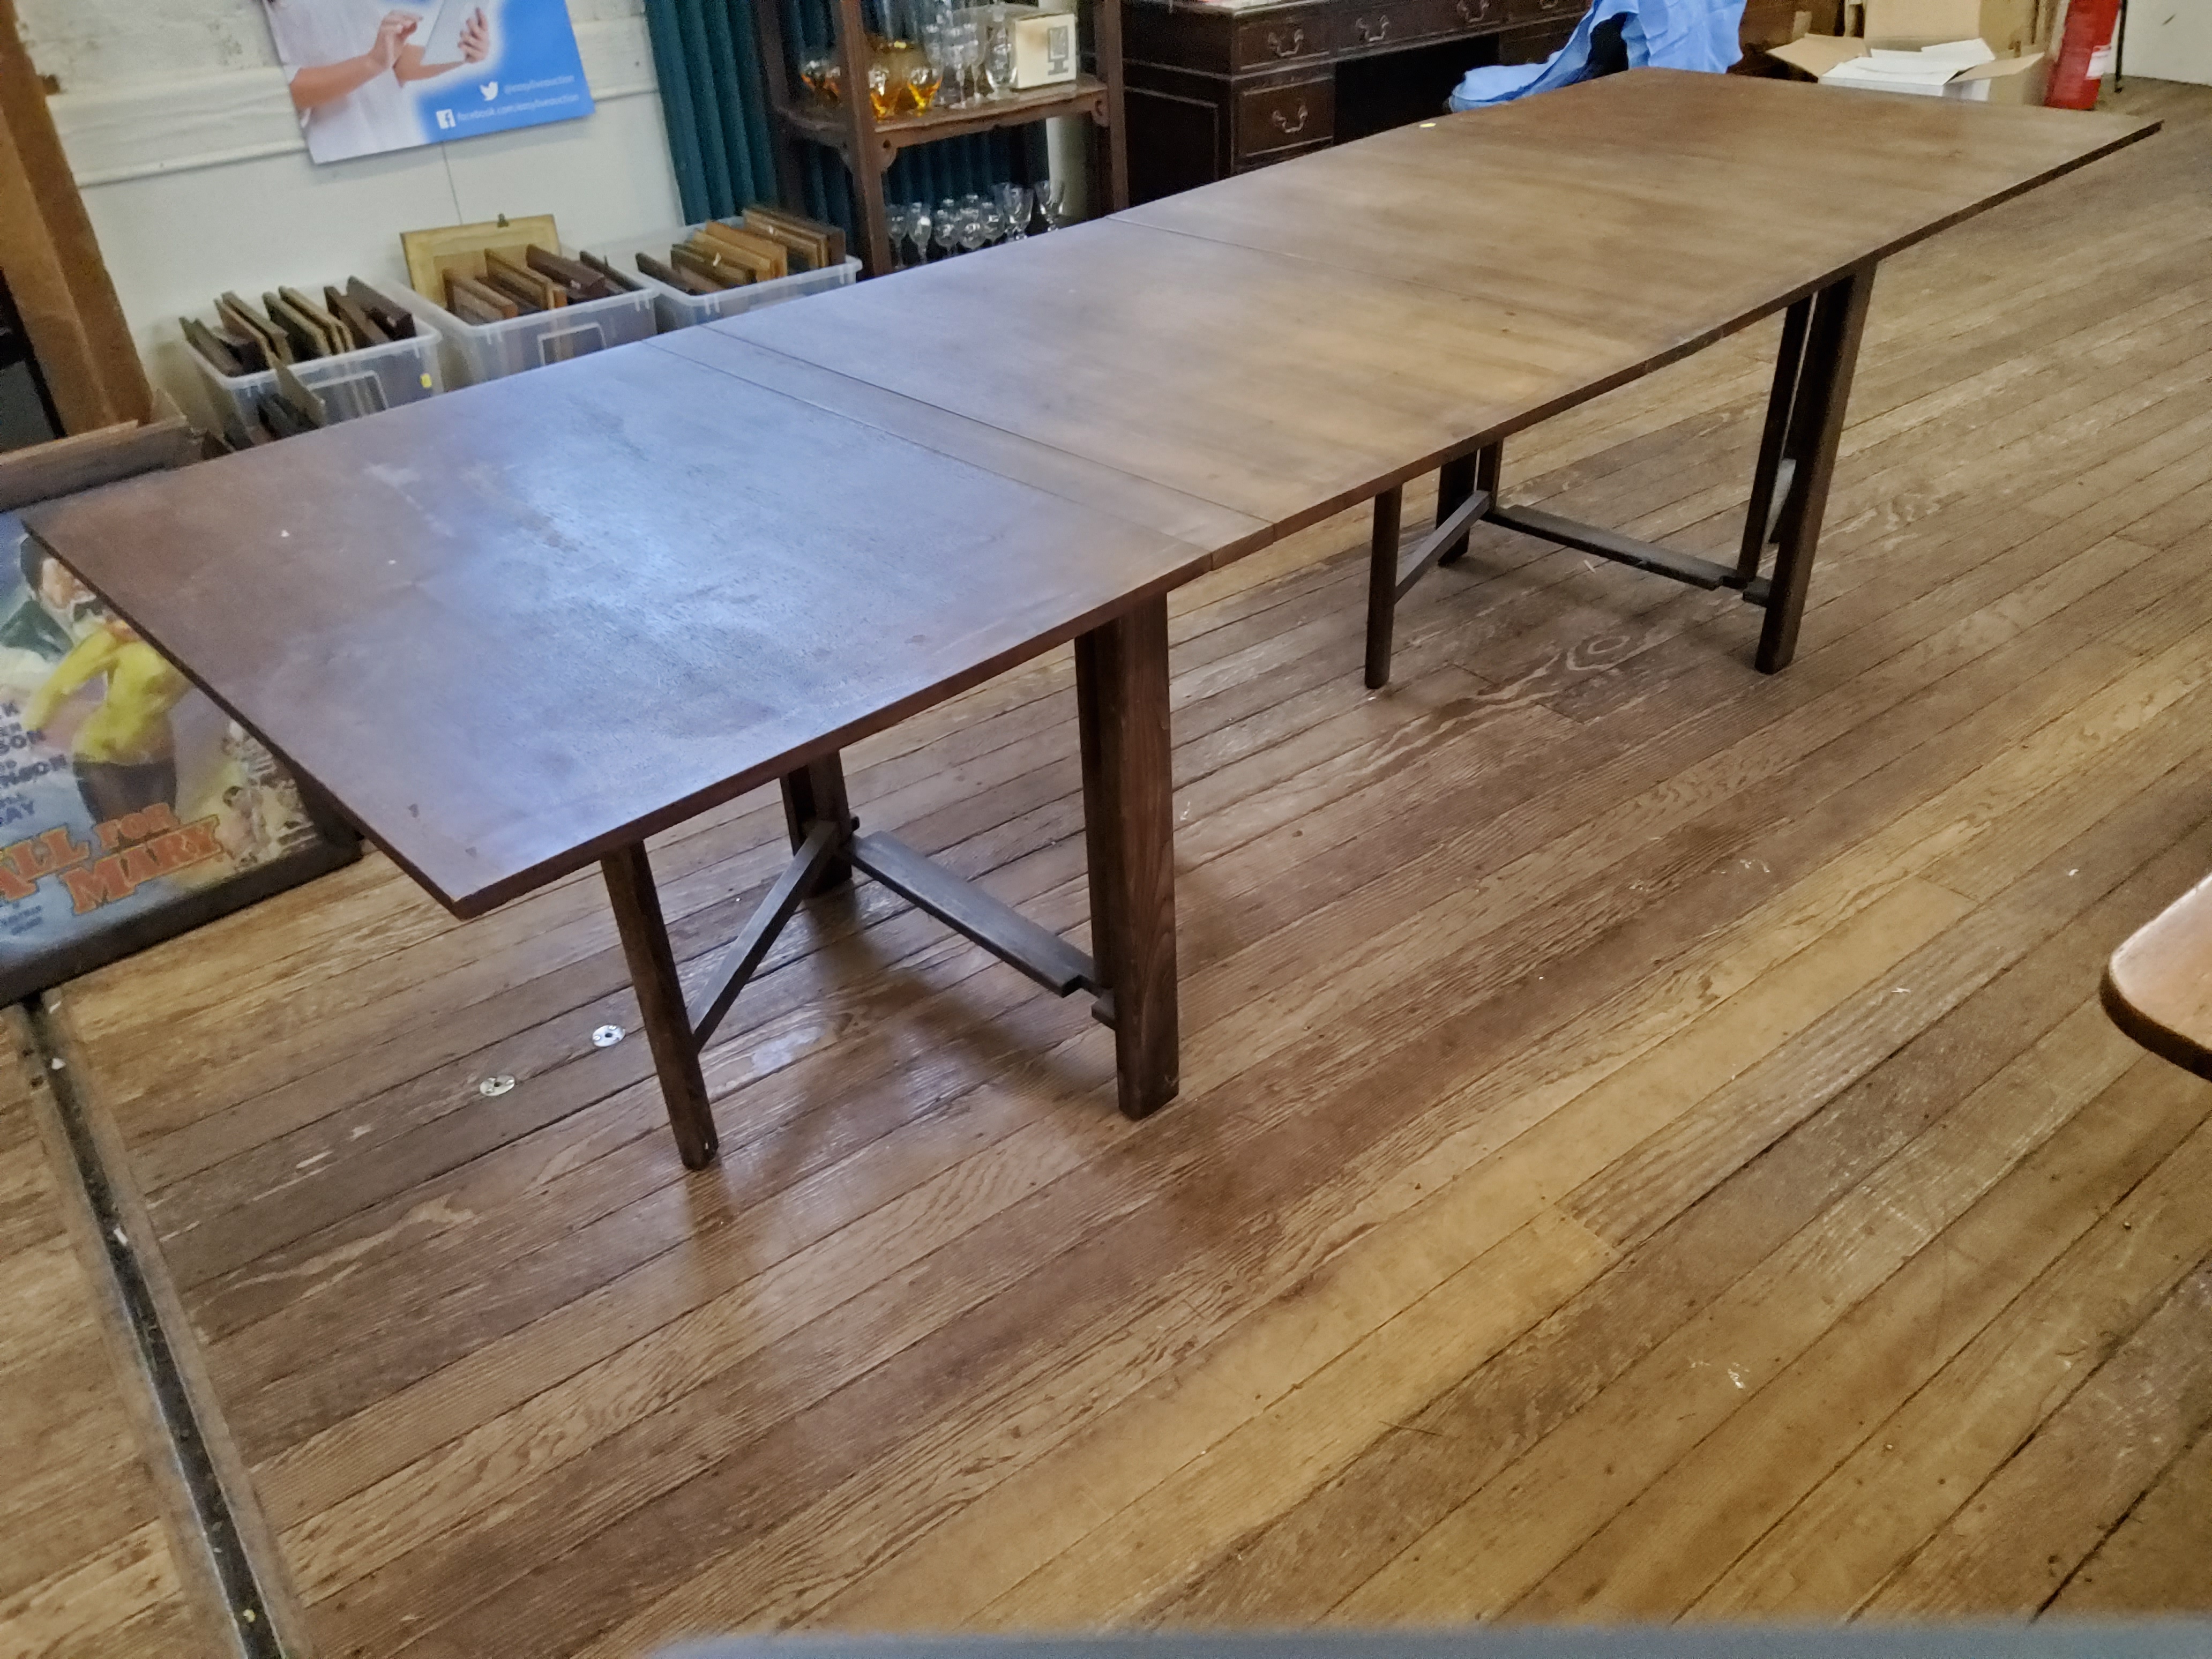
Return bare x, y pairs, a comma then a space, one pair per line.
370, 76
131, 807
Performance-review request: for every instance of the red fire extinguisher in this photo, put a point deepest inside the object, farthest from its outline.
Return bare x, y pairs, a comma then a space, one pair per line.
2085, 54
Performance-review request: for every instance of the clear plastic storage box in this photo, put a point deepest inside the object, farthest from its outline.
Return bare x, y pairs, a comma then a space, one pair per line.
677, 309
353, 384
475, 352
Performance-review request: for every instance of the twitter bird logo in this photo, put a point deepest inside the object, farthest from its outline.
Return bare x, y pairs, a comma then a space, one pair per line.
490, 89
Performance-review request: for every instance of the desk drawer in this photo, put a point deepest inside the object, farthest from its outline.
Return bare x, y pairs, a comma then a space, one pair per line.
1283, 37
1274, 156
1532, 11
1458, 16
1281, 116
1382, 25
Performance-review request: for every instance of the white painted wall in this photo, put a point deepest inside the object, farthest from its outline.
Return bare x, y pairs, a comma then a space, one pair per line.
2169, 40
181, 134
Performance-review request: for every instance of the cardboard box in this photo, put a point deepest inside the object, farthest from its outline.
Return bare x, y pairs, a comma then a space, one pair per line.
1045, 46
2013, 28
2015, 33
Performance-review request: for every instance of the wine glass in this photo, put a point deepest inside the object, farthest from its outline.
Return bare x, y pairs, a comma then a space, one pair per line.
884, 84
1052, 200
1014, 207
898, 225
918, 229
999, 57
824, 77
935, 48
968, 53
994, 222
921, 82
947, 230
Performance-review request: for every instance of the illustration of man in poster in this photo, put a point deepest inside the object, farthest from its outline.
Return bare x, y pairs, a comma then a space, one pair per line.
121, 788
350, 64
125, 752
369, 77
55, 612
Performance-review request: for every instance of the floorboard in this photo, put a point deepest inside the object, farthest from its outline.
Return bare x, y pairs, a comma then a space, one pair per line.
88, 1567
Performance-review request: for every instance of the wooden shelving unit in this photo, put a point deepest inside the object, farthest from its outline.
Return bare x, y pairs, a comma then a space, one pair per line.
869, 146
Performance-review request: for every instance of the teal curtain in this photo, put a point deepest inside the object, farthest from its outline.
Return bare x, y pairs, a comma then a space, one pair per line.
716, 108
714, 97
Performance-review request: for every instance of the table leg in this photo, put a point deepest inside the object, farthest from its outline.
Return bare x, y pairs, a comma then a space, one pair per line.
1391, 577
1770, 479
636, 902
1383, 583
816, 792
1128, 810
1816, 426
1459, 478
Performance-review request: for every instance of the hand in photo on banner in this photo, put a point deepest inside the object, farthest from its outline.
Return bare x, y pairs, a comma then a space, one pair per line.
367, 77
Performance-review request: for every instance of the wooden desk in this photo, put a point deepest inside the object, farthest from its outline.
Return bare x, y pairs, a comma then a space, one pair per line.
1215, 90
515, 630
2158, 985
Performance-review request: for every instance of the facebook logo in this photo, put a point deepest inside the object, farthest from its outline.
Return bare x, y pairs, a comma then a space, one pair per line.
445, 119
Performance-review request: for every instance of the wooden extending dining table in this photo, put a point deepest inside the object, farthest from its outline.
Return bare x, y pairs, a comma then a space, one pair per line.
514, 631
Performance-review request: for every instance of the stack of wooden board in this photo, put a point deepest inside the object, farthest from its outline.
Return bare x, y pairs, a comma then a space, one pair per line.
766, 244
293, 328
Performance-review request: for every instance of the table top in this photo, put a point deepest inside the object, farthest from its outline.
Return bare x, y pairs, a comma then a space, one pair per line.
2158, 985
1284, 341
515, 627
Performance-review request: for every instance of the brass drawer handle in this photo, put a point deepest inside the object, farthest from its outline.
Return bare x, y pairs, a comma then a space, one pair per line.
1472, 14
1287, 127
1382, 31
1298, 43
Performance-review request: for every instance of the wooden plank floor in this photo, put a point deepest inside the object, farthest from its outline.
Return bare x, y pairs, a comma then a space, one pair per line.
1649, 1143
87, 1566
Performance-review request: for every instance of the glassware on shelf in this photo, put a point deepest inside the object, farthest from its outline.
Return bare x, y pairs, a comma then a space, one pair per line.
922, 79
898, 225
999, 56
945, 225
1015, 209
918, 229
972, 234
934, 48
885, 85
966, 35
824, 77
1052, 201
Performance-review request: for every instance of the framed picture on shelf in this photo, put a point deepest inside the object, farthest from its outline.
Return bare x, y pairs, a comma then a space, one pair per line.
132, 808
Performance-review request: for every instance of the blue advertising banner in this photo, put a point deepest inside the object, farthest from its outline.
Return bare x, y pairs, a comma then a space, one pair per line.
369, 76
